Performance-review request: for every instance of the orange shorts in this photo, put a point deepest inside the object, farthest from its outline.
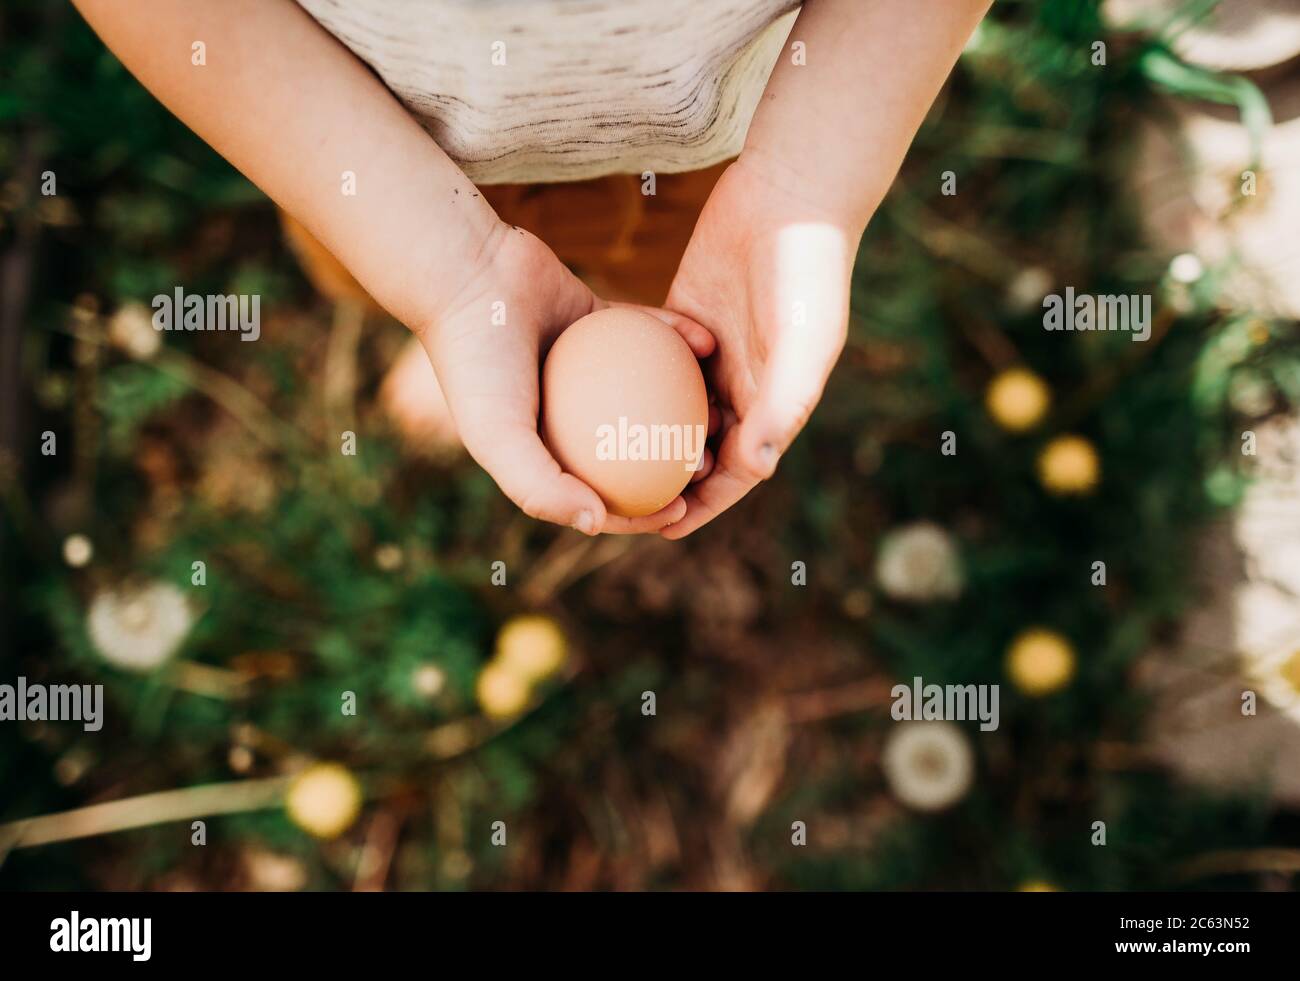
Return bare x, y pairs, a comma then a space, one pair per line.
624, 244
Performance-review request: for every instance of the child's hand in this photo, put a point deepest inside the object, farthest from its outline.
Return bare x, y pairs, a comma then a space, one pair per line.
485, 343
767, 272
768, 267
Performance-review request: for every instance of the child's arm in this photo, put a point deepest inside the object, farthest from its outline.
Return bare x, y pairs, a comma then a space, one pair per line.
768, 267
292, 108
837, 128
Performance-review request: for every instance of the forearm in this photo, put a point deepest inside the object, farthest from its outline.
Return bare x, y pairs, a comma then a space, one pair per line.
839, 125
295, 111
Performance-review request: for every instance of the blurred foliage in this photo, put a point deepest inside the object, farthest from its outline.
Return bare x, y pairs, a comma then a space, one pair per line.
328, 573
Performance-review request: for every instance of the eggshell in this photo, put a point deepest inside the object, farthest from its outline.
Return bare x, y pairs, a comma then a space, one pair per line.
624, 409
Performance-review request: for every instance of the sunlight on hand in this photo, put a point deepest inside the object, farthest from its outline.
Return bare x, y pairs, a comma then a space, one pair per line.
810, 303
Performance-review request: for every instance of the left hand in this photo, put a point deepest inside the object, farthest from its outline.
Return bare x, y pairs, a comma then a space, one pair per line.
767, 271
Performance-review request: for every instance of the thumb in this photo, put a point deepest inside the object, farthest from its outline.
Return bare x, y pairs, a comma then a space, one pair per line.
524, 469
782, 410
791, 385
808, 323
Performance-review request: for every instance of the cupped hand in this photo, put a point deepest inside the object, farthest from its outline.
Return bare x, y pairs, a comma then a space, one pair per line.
767, 272
486, 343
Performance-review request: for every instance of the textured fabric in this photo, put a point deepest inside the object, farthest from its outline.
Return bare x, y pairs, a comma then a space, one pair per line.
519, 91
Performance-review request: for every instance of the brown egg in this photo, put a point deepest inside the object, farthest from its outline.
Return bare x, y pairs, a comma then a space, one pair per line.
624, 409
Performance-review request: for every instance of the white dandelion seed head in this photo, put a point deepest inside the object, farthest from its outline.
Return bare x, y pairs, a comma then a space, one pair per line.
131, 329
919, 562
1027, 288
428, 680
929, 765
139, 628
77, 550
1186, 268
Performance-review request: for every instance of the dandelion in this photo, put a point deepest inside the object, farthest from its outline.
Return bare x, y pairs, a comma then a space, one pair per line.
1278, 676
77, 551
1017, 399
141, 627
1026, 290
1186, 268
502, 693
324, 800
131, 330
1069, 465
919, 562
1040, 662
532, 647
271, 872
428, 680
929, 765
389, 557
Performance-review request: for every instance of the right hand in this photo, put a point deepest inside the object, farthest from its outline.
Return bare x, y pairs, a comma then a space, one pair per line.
486, 344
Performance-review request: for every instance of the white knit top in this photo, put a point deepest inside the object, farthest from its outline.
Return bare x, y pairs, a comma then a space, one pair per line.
555, 90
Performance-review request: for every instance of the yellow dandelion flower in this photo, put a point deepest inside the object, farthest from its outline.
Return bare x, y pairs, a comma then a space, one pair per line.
532, 647
1277, 674
1040, 662
324, 800
1017, 399
501, 692
1069, 465
1037, 885
1290, 671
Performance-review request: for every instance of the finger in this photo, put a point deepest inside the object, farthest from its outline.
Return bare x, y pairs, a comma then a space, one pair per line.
706, 466
646, 524
519, 462
807, 316
695, 334
728, 482
792, 383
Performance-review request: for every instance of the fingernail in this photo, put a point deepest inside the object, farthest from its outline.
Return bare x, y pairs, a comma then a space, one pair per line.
586, 522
